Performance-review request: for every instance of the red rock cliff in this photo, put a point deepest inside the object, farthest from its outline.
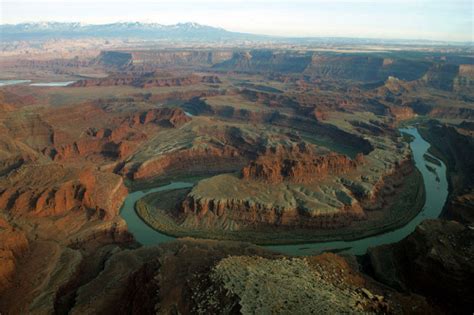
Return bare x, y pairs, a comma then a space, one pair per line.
298, 164
190, 161
47, 190
119, 141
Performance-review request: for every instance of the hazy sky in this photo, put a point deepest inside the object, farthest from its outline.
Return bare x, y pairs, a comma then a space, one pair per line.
413, 19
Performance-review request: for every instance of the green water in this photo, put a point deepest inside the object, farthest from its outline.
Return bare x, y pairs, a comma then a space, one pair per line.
436, 194
143, 233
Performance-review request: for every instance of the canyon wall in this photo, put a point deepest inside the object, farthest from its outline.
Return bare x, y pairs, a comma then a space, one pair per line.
297, 164
196, 161
13, 246
147, 80
290, 187
118, 141
143, 60
334, 66
48, 190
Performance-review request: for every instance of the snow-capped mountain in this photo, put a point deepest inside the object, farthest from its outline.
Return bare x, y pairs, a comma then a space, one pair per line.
44, 30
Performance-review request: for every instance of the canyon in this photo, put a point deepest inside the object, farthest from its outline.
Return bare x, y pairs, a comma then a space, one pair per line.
275, 147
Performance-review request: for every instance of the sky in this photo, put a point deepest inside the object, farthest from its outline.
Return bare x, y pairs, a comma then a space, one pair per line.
400, 19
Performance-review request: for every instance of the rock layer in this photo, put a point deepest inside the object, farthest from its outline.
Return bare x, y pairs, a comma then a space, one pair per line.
197, 161
46, 190
118, 141
246, 205
147, 80
298, 164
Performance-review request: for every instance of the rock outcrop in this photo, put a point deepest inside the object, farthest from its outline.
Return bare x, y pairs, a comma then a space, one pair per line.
289, 187
209, 277
158, 278
13, 246
243, 204
265, 61
243, 277
166, 117
147, 80
298, 164
336, 67
198, 106
115, 142
436, 260
197, 161
51, 189
401, 113
146, 60
386, 185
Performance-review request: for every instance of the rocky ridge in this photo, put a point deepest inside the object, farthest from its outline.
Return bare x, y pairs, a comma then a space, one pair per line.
96, 193
298, 164
147, 80
441, 248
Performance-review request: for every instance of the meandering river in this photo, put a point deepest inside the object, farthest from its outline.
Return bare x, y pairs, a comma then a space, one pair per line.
436, 187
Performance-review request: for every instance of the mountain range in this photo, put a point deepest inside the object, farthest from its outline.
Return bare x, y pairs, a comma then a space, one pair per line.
180, 31
189, 31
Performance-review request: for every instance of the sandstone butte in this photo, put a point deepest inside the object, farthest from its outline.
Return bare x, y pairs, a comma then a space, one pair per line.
196, 160
290, 187
298, 164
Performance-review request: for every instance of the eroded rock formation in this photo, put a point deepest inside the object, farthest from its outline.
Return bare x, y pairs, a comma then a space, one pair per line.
203, 161
298, 164
209, 277
147, 80
167, 117
13, 246
118, 141
47, 190
441, 248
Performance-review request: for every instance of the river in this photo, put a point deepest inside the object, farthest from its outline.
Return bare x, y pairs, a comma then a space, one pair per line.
436, 187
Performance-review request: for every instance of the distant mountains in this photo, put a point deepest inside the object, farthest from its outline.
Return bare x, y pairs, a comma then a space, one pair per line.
180, 31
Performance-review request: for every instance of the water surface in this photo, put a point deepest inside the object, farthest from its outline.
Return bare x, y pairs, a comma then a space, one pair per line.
142, 232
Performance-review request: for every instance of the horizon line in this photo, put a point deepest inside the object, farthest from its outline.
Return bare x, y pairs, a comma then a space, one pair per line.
466, 42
